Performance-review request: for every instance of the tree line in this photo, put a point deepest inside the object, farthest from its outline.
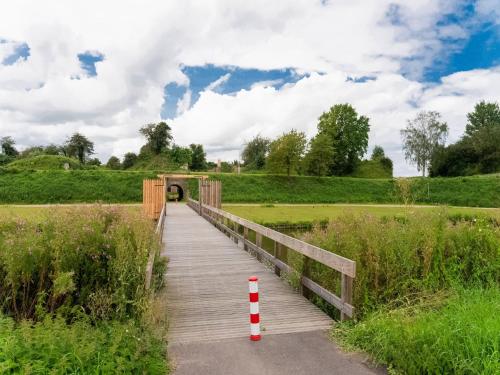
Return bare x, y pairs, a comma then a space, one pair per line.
476, 152
159, 143
336, 150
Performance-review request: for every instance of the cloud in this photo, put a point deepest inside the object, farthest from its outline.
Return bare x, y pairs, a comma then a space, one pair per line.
146, 47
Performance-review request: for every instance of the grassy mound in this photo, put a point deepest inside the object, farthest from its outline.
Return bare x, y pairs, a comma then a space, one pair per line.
45, 162
371, 169
72, 186
155, 163
126, 186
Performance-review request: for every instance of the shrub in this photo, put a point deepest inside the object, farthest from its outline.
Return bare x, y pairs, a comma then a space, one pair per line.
91, 260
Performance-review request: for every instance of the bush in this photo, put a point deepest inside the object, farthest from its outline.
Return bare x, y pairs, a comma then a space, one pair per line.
398, 258
91, 260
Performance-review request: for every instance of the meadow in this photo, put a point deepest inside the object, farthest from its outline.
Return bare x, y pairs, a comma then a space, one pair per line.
73, 295
307, 213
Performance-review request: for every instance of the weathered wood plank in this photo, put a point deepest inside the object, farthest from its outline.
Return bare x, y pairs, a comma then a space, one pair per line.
207, 285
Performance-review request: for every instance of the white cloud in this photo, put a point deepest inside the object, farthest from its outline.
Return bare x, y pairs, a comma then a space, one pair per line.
146, 43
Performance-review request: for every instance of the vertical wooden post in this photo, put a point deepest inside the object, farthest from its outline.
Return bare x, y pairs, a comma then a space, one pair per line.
277, 254
346, 293
245, 237
200, 196
258, 239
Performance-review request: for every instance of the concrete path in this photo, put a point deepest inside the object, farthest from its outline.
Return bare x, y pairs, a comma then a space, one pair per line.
207, 292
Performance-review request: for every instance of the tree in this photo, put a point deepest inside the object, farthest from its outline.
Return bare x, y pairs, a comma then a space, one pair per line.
114, 163
422, 137
485, 115
7, 144
198, 159
94, 161
349, 135
129, 159
255, 152
319, 158
378, 153
158, 136
181, 155
79, 146
286, 152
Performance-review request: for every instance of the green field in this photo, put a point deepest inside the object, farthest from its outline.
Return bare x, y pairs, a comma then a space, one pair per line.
39, 212
309, 213
89, 186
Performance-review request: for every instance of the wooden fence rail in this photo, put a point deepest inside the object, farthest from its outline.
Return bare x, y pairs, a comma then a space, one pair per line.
224, 221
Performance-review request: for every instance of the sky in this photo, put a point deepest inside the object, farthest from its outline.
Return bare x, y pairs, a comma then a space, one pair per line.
220, 72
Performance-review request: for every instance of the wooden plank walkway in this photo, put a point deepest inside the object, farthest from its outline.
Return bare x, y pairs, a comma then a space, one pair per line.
207, 286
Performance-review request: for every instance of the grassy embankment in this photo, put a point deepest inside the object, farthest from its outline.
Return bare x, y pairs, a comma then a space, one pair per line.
73, 296
427, 289
126, 187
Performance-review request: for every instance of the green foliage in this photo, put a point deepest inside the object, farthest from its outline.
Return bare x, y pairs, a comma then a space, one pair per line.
349, 134
320, 156
7, 146
79, 146
158, 136
485, 115
407, 255
479, 149
129, 159
458, 335
198, 158
150, 162
91, 260
181, 155
378, 153
378, 168
55, 347
114, 163
85, 186
45, 162
255, 152
422, 137
286, 152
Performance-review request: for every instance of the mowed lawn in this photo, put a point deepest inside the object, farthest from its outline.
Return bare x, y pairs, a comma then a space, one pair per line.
308, 213
39, 212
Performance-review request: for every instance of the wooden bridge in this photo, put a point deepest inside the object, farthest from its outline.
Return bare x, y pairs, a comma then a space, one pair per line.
211, 255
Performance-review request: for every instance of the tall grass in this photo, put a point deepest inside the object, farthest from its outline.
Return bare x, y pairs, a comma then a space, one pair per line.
73, 296
398, 258
457, 335
91, 259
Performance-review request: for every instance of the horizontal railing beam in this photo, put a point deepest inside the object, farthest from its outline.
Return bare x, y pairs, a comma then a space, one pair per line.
332, 260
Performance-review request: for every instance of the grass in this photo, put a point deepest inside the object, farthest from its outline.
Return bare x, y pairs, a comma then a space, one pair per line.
459, 334
313, 213
55, 347
89, 186
45, 162
72, 292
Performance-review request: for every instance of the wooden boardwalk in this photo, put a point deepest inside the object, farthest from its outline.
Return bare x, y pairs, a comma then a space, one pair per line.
207, 286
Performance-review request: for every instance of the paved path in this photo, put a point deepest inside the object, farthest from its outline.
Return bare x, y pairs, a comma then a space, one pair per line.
207, 291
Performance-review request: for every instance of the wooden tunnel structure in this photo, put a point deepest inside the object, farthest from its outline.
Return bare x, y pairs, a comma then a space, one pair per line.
155, 192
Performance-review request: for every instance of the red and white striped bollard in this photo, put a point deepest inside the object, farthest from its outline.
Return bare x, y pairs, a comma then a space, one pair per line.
254, 308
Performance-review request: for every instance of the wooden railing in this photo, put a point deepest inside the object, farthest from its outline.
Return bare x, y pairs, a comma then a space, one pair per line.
159, 233
230, 224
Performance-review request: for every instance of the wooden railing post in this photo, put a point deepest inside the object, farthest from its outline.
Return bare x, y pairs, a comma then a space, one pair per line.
277, 255
245, 237
200, 196
346, 293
